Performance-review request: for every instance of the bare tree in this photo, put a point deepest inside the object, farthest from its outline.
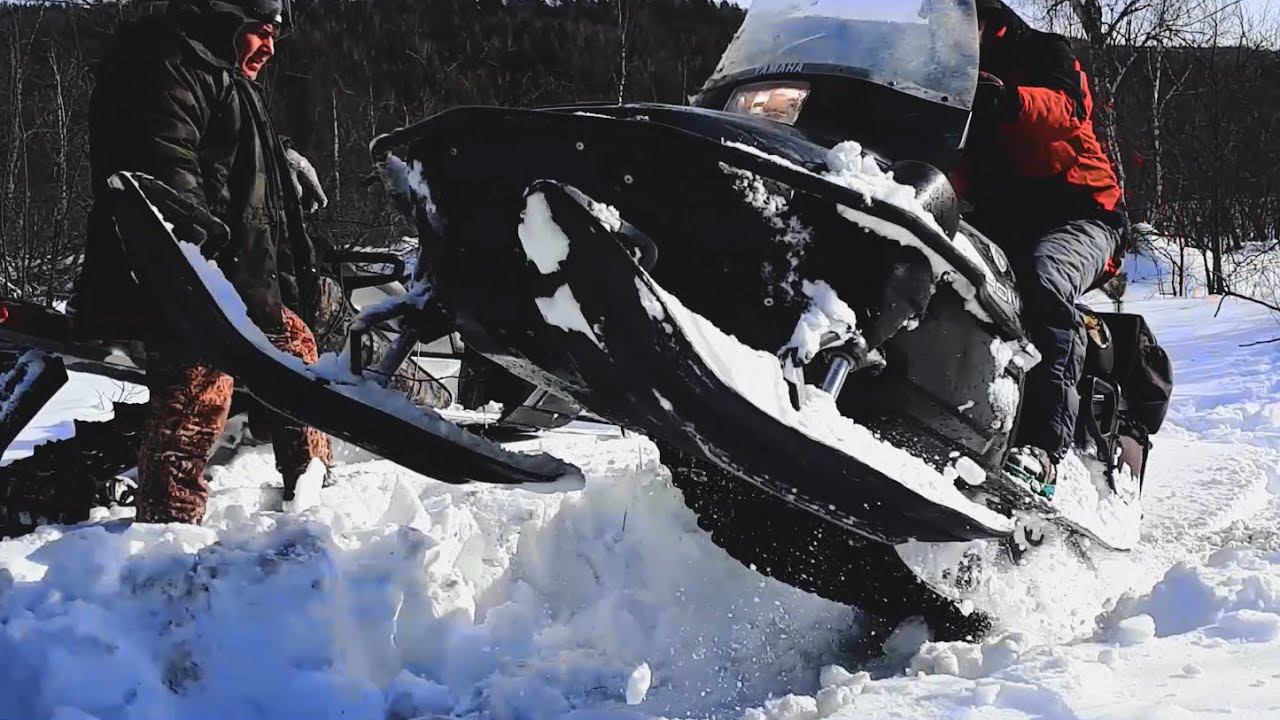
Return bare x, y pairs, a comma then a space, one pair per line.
624, 24
1122, 33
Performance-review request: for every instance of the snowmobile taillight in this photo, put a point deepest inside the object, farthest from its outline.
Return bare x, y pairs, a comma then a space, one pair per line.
777, 101
4, 313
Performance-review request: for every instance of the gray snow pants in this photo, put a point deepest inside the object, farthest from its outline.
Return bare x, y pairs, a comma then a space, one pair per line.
1052, 276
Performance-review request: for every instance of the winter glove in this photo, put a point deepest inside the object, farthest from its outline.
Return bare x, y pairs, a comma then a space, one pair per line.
190, 221
306, 183
995, 102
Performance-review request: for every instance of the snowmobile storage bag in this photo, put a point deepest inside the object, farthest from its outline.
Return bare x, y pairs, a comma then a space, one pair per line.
1141, 369
1123, 353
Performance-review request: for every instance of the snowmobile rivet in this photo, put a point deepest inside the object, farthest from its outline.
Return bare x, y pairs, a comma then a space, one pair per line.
628, 179
768, 302
453, 152
581, 145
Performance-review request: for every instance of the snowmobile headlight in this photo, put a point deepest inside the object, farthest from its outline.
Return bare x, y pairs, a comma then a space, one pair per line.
776, 101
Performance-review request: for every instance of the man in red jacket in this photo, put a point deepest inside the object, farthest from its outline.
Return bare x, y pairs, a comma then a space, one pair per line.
1042, 188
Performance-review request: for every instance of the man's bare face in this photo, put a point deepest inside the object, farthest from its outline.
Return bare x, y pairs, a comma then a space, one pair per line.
255, 45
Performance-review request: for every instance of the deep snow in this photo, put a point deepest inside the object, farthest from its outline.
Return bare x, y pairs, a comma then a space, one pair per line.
401, 597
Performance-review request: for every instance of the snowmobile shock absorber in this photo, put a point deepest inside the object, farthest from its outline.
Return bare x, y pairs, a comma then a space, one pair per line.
842, 364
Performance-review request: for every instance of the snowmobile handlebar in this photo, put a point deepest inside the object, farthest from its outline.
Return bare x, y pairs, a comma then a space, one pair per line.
365, 277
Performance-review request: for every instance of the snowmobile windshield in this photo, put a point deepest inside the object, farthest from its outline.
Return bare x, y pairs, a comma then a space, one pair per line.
927, 48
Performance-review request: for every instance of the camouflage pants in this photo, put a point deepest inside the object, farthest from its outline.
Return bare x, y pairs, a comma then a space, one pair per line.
186, 415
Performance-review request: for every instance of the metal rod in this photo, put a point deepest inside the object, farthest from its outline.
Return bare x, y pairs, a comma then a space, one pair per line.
395, 356
837, 373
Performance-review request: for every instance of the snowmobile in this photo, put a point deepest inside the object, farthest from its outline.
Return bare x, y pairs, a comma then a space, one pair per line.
774, 283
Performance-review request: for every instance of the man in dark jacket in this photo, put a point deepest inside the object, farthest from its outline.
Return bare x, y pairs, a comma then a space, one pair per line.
1043, 189
176, 99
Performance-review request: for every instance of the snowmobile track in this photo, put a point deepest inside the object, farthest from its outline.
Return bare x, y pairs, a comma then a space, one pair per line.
62, 480
806, 552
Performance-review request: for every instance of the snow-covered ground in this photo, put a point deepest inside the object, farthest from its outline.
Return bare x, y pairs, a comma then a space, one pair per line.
399, 597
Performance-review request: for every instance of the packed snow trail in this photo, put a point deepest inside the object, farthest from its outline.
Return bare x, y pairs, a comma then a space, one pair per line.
400, 597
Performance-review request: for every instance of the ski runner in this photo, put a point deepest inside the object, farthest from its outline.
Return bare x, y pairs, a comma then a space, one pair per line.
176, 98
1042, 188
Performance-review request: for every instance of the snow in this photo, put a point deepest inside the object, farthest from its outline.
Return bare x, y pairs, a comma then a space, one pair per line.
542, 239
827, 314
789, 231
1003, 392
31, 365
638, 684
850, 167
608, 215
406, 179
563, 311
759, 378
397, 596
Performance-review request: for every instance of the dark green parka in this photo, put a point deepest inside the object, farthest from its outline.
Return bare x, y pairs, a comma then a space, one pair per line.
170, 102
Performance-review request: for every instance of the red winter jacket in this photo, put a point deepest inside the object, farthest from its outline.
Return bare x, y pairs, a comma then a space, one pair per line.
1042, 160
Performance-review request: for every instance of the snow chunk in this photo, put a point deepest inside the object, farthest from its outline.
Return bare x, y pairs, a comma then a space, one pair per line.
638, 684
307, 493
1135, 630
1249, 626
850, 167
1003, 392
410, 696
968, 660
835, 675
542, 239
406, 179
827, 313
970, 471
608, 215
789, 707
563, 311
651, 303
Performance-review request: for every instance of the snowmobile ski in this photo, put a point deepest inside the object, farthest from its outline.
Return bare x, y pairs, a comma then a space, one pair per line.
206, 313
1019, 496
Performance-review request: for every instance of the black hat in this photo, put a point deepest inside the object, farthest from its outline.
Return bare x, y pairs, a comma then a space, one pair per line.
279, 12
